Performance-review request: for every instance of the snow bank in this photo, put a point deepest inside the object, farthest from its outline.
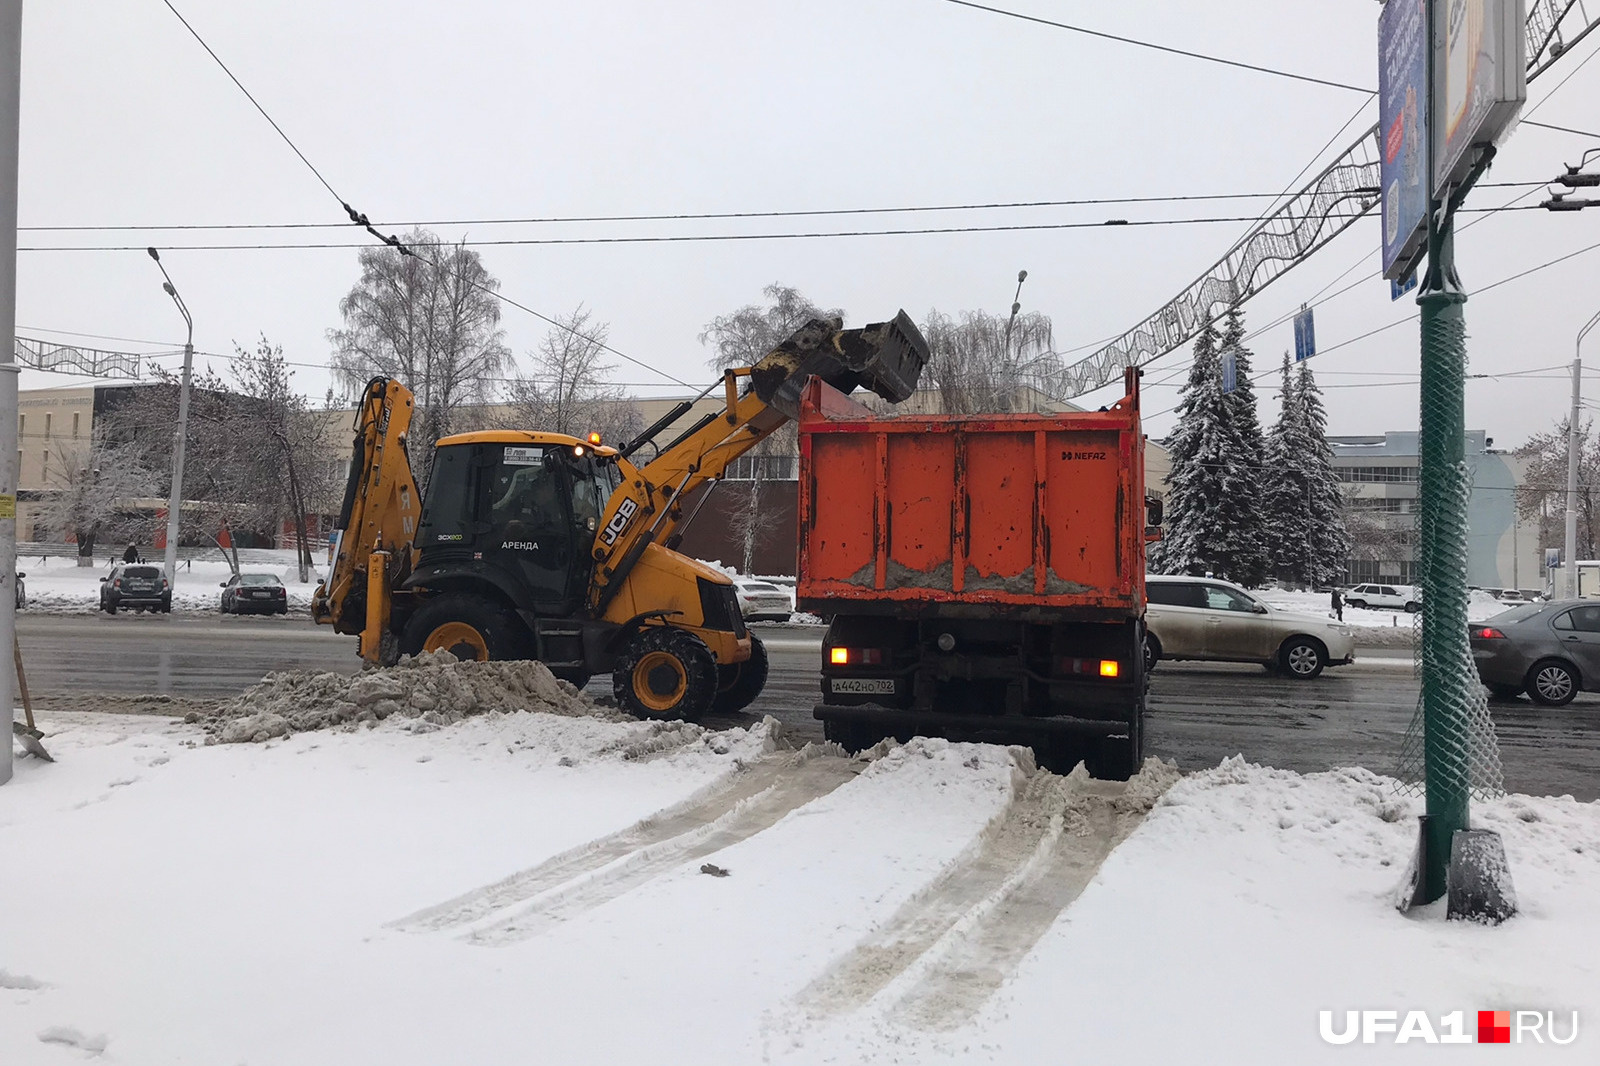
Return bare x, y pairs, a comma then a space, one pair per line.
433, 689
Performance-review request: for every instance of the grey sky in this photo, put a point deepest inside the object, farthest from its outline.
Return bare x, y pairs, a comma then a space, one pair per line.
478, 110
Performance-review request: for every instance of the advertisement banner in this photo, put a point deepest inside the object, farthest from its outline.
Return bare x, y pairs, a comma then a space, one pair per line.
1479, 81
1403, 132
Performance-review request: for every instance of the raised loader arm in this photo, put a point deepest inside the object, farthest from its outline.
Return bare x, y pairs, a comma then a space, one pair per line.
377, 522
885, 357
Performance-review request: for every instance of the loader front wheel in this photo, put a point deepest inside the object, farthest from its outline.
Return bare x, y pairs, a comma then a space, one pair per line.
466, 627
738, 684
665, 673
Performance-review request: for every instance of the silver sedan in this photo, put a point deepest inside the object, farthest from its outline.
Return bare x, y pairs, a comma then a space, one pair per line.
1204, 618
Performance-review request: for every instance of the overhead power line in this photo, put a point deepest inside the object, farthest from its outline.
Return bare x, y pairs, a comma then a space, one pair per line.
1136, 42
682, 238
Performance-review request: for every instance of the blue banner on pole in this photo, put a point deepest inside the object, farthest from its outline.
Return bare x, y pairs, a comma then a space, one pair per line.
1399, 288
1230, 372
1305, 336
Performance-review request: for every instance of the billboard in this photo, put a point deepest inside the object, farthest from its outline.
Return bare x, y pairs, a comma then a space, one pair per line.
1403, 132
1480, 80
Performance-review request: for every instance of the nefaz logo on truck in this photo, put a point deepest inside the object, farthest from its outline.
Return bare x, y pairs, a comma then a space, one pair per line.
619, 522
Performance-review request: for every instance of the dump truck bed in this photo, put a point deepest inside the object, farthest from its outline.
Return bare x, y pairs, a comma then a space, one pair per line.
1022, 515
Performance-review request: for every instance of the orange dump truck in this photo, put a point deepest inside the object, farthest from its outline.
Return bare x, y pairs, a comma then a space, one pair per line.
983, 576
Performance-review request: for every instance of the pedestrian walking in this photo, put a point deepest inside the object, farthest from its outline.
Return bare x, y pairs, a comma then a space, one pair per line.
1338, 605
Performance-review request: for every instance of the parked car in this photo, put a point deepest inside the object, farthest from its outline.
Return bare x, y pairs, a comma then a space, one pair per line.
1207, 619
1551, 651
762, 601
1405, 597
254, 594
22, 591
137, 587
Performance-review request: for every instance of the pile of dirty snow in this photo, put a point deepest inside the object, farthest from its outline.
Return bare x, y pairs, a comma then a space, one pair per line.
434, 688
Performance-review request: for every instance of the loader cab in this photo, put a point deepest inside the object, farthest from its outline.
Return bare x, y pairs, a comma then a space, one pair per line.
519, 510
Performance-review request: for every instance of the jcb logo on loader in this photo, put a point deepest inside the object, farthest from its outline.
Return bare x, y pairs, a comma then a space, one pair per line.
619, 522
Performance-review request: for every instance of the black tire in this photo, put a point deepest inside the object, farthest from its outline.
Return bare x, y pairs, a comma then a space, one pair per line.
738, 684
1302, 658
1552, 682
666, 672
1505, 692
469, 627
111, 608
1356, 603
574, 675
1413, 608
1152, 652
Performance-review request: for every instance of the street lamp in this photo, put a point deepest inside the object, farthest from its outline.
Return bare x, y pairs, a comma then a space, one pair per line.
180, 434
1016, 305
1571, 561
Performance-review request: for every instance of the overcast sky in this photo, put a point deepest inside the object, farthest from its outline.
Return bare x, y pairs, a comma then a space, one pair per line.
472, 111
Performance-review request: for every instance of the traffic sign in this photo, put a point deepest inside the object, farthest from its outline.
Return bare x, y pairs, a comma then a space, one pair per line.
1305, 336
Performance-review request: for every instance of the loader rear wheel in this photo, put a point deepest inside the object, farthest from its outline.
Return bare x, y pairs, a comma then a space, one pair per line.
738, 684
468, 628
665, 673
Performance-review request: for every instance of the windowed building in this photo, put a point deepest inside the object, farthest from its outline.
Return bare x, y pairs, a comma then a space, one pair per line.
1379, 477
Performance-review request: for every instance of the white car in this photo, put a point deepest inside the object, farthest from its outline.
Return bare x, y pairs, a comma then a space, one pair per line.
761, 601
1404, 597
1207, 619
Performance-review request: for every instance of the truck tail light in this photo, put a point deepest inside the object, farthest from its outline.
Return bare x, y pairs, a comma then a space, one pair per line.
117, 584
1487, 633
855, 656
1107, 668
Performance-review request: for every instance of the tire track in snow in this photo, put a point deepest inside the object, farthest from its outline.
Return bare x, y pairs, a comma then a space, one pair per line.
584, 877
974, 924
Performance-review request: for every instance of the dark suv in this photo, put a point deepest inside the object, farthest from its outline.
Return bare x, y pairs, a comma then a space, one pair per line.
137, 587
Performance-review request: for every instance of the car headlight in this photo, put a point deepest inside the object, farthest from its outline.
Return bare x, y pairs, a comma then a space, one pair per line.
1343, 631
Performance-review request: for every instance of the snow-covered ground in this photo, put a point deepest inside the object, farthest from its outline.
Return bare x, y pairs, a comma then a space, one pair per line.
59, 586
529, 888
1480, 605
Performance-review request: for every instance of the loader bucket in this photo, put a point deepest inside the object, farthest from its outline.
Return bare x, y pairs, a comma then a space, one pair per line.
885, 358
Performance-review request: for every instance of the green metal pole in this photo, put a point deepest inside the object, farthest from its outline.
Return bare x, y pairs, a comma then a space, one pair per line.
1446, 653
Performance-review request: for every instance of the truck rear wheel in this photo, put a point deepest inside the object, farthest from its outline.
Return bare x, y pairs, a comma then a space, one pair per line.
666, 672
738, 684
468, 627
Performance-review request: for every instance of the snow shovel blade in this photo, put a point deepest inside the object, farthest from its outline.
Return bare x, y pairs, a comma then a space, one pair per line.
30, 741
885, 357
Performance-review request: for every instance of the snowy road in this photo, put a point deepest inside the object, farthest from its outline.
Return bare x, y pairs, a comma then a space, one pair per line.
1199, 713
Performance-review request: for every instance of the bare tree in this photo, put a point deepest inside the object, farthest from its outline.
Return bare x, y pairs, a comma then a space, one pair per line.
1542, 489
977, 362
281, 471
742, 338
569, 390
91, 492
431, 320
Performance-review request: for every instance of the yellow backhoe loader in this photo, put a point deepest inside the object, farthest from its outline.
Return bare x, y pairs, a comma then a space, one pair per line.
534, 545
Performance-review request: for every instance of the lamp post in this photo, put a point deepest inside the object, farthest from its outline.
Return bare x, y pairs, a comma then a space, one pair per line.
180, 434
1016, 305
1570, 562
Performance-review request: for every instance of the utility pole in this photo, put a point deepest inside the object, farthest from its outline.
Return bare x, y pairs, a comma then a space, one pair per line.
10, 120
180, 434
1570, 569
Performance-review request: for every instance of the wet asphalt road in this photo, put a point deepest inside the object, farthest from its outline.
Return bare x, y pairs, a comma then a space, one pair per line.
1198, 714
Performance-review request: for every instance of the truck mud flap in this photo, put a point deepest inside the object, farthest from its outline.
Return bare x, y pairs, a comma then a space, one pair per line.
984, 728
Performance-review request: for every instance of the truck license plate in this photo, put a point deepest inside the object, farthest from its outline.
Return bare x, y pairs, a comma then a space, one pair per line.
882, 685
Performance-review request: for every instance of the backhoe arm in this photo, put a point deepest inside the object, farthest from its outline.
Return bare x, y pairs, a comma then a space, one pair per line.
885, 357
378, 520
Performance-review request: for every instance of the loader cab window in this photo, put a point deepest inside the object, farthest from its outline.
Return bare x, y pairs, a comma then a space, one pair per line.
593, 482
447, 510
527, 495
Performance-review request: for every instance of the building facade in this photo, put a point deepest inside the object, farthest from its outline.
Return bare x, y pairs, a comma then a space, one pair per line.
1379, 477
